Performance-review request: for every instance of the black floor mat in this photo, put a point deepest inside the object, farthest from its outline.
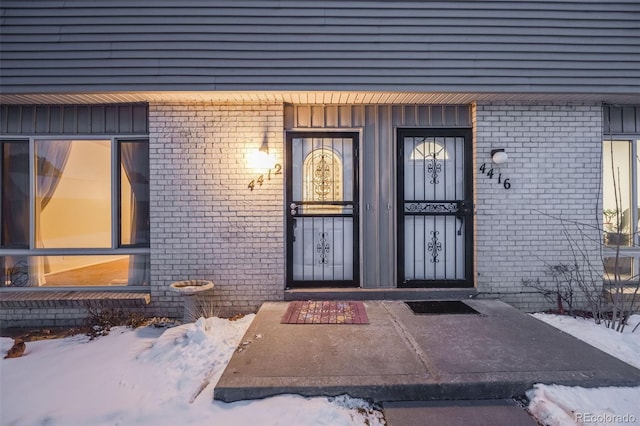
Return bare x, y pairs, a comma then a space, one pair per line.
441, 307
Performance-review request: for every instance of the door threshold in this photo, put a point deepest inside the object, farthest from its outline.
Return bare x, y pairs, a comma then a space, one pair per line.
326, 293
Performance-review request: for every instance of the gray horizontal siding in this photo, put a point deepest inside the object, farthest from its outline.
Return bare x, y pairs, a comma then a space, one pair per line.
457, 46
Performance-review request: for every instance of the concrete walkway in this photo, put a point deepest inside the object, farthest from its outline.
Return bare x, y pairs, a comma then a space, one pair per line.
484, 412
402, 356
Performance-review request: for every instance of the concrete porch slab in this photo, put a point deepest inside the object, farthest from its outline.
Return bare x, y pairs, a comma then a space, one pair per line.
401, 356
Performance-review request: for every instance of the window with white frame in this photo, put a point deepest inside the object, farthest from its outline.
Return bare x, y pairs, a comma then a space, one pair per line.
621, 205
74, 212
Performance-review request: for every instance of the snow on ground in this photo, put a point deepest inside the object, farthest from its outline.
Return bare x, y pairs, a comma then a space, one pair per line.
153, 377
556, 405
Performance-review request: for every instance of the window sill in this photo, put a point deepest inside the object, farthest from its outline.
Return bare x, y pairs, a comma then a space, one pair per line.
58, 298
628, 292
625, 251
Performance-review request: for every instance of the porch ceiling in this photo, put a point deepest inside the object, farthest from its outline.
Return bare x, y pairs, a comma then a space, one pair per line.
311, 97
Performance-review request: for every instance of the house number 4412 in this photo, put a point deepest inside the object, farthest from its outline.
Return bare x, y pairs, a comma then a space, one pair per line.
491, 173
277, 170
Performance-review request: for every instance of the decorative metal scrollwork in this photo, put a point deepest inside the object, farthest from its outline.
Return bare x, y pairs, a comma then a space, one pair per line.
322, 179
323, 248
322, 176
450, 207
434, 168
434, 247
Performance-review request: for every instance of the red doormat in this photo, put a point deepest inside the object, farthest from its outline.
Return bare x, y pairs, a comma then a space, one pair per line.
325, 312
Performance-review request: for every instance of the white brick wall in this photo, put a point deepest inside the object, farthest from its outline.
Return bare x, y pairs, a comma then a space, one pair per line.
35, 315
205, 222
554, 169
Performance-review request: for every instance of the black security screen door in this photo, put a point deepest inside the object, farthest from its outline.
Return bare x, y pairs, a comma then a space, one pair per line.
435, 209
322, 209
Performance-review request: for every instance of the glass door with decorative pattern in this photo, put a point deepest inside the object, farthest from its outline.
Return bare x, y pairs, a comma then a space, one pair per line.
435, 208
322, 209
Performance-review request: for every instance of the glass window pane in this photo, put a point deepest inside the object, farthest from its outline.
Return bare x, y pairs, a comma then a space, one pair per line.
15, 194
322, 172
71, 271
616, 184
622, 267
134, 193
73, 194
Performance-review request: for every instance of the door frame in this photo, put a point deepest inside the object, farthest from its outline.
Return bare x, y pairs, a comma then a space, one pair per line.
467, 133
356, 136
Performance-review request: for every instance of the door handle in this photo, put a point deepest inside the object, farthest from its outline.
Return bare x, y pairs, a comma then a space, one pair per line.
461, 219
294, 209
464, 209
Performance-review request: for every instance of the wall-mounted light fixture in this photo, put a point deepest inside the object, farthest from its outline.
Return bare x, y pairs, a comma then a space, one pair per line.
498, 156
260, 158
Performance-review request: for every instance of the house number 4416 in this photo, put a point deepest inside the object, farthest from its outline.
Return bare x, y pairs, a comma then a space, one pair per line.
491, 173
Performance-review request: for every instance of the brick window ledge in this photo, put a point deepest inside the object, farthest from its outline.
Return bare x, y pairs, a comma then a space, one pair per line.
72, 298
629, 293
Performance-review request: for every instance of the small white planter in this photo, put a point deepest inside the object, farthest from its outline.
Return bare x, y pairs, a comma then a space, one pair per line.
189, 289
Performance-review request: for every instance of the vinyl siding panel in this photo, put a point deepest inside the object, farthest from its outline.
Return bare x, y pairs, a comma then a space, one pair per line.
74, 119
458, 46
623, 120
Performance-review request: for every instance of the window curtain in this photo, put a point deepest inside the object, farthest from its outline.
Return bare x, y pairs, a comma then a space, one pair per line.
15, 209
51, 158
134, 157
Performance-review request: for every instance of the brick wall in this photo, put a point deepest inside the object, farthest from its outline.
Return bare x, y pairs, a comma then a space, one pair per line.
32, 315
59, 314
554, 169
205, 222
